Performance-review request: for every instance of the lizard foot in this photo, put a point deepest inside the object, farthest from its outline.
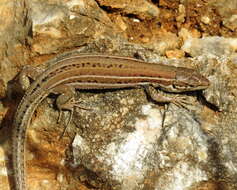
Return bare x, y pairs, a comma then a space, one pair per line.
68, 105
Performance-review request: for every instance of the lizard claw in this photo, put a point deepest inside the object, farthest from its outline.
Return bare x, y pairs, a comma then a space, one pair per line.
181, 101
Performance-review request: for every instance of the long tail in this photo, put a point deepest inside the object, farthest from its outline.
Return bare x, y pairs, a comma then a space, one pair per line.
21, 121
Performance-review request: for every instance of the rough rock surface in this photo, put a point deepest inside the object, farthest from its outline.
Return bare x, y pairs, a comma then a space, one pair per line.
125, 141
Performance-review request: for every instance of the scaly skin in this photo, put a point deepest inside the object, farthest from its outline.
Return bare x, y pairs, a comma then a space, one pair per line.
94, 72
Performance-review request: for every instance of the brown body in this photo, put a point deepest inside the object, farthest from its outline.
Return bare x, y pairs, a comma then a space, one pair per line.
94, 72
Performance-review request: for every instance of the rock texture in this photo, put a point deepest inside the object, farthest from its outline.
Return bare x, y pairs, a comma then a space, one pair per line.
125, 141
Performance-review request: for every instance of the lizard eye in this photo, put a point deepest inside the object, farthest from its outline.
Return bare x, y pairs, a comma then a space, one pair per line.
174, 86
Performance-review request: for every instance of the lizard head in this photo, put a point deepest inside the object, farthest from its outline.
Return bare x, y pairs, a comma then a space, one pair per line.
186, 80
189, 80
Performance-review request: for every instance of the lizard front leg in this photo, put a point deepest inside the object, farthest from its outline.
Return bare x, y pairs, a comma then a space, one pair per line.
160, 97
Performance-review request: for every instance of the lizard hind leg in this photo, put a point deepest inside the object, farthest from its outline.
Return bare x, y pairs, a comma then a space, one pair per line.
28, 72
66, 102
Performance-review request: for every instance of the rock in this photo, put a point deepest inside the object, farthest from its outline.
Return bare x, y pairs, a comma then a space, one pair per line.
14, 29
186, 34
2, 89
141, 8
121, 143
174, 53
210, 46
72, 23
228, 13
148, 156
205, 19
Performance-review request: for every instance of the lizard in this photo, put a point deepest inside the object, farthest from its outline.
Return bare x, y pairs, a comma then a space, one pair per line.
65, 75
